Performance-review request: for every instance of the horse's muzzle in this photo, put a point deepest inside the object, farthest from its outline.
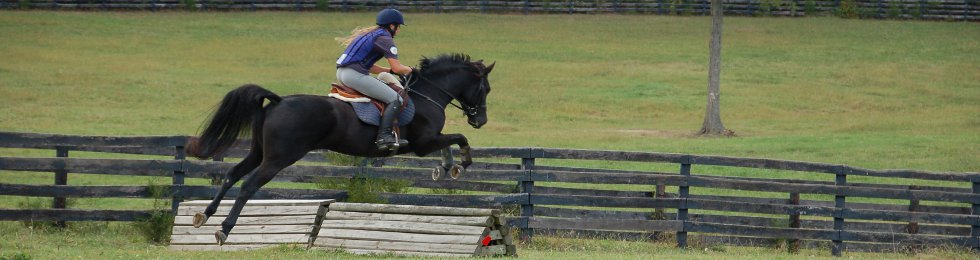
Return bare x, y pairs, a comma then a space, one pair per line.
476, 122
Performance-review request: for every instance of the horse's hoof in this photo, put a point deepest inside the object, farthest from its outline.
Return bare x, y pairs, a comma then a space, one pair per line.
437, 173
220, 237
456, 171
200, 219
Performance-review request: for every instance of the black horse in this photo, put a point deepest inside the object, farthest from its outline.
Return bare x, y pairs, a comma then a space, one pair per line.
287, 128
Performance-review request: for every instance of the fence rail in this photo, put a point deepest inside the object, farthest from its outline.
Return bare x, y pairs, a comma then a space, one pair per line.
630, 204
968, 10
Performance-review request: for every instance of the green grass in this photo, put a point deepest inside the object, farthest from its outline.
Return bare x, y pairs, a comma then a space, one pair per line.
91, 241
866, 93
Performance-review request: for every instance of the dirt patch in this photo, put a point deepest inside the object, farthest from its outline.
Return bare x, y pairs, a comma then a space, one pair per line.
654, 133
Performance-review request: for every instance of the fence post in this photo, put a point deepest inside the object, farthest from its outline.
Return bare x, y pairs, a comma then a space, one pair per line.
658, 212
913, 227
840, 181
975, 228
60, 178
527, 210
177, 190
683, 191
794, 222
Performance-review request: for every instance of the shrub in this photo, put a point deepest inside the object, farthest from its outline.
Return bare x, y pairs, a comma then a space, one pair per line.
363, 189
190, 4
894, 9
157, 227
847, 9
810, 7
323, 5
17, 256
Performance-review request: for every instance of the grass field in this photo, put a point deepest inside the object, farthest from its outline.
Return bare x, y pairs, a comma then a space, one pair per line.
875, 94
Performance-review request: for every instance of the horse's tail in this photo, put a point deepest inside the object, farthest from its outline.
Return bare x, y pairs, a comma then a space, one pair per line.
238, 110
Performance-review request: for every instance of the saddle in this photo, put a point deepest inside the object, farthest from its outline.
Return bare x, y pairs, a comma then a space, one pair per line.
368, 109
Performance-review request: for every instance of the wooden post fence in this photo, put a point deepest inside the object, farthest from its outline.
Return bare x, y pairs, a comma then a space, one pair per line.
975, 228
794, 222
178, 180
840, 181
527, 210
684, 192
60, 178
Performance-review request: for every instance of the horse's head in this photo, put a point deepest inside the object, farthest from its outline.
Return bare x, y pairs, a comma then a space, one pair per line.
463, 80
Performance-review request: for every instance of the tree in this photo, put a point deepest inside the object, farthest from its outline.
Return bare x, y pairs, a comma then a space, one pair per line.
712, 117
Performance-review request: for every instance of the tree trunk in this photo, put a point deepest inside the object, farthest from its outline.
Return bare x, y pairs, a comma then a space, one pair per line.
712, 117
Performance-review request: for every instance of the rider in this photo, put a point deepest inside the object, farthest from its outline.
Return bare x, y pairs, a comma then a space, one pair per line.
364, 48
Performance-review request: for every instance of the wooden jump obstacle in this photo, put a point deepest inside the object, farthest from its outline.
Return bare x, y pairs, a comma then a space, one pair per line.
414, 231
262, 223
358, 228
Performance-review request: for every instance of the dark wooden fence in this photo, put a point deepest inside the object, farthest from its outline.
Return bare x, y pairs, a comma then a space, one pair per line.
968, 10
706, 202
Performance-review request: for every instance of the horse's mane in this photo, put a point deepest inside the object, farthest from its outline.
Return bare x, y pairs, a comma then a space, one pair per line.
446, 62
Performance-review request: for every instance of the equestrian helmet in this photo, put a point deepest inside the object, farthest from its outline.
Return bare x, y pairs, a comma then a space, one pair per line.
390, 16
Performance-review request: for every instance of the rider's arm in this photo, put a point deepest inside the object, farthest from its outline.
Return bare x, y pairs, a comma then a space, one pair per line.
397, 67
378, 69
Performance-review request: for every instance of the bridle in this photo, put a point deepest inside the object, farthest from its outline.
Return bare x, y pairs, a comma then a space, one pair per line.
468, 110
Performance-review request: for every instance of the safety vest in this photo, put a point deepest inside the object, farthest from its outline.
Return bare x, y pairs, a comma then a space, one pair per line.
362, 50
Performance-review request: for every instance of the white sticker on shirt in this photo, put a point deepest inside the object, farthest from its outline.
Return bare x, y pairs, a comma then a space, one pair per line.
341, 59
394, 50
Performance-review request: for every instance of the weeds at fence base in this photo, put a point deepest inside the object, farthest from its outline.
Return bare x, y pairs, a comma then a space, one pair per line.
156, 228
17, 256
41, 203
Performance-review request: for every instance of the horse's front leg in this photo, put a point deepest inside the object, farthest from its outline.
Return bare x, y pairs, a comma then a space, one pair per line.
442, 143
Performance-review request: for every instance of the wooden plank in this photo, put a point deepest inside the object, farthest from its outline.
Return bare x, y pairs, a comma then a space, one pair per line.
606, 224
494, 250
402, 253
590, 214
494, 235
409, 209
456, 200
254, 210
219, 248
596, 201
590, 192
397, 246
242, 239
398, 236
245, 229
73, 214
251, 203
75, 191
479, 221
93, 166
756, 231
32, 140
264, 193
244, 221
465, 185
409, 227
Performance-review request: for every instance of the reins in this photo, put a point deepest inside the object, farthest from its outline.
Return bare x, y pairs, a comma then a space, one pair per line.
468, 110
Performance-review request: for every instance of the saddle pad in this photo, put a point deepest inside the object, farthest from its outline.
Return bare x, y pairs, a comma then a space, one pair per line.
369, 114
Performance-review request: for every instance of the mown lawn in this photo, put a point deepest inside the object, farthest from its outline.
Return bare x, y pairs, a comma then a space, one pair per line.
874, 94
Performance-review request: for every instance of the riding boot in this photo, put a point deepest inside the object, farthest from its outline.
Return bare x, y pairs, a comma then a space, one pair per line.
386, 137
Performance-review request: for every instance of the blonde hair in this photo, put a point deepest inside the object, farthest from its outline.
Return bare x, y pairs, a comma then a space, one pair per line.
357, 32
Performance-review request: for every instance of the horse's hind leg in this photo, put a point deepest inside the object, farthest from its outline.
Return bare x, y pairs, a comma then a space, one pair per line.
262, 175
236, 173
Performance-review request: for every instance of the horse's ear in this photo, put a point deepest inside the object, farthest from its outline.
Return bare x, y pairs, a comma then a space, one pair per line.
489, 68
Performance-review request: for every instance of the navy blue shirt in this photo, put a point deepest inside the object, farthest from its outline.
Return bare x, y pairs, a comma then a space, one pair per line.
367, 49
